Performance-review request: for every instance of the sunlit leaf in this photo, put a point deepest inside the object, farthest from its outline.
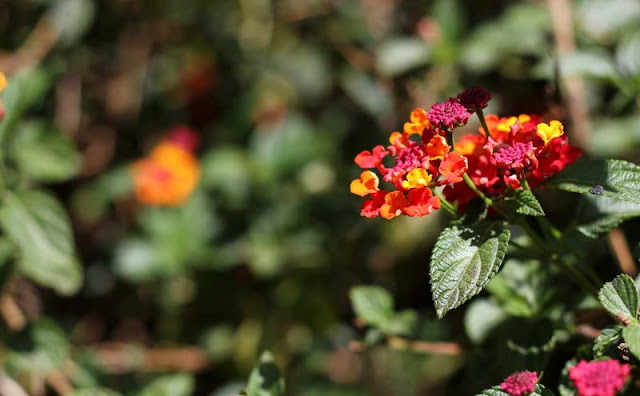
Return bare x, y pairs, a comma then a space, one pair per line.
464, 259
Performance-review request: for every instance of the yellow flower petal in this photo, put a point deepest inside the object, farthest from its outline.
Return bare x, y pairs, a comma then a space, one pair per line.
550, 131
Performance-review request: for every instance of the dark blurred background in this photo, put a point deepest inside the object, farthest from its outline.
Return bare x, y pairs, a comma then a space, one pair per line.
285, 94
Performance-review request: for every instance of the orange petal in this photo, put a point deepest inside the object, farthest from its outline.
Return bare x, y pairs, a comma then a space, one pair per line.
437, 147
395, 201
453, 167
367, 184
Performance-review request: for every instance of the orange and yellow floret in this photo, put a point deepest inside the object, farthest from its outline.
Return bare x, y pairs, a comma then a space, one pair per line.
422, 160
170, 173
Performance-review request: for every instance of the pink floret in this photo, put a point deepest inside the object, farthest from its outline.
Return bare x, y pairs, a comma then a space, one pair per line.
520, 383
599, 378
448, 115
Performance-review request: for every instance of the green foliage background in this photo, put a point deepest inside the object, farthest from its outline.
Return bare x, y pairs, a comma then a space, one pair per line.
285, 94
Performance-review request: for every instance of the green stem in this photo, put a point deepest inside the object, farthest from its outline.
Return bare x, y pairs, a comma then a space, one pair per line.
475, 189
577, 277
480, 115
446, 205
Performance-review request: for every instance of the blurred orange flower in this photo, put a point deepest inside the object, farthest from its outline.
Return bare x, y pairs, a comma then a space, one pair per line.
168, 176
3, 85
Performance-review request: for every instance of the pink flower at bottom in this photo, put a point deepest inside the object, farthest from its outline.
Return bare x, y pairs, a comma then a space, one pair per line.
599, 378
520, 383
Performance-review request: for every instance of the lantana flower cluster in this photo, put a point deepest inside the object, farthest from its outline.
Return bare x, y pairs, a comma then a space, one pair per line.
170, 173
423, 164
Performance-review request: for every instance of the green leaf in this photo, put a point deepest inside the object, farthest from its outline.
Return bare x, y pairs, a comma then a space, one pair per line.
372, 304
631, 335
620, 179
94, 392
37, 223
43, 154
72, 19
598, 215
540, 390
399, 55
24, 90
181, 384
481, 318
265, 378
609, 336
524, 202
402, 323
620, 296
464, 259
40, 348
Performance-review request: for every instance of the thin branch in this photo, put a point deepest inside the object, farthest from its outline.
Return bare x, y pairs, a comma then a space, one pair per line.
405, 344
562, 18
621, 251
117, 358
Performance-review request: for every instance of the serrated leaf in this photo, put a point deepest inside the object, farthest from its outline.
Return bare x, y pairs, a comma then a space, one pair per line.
524, 202
620, 179
598, 215
372, 304
39, 226
539, 390
265, 378
181, 384
43, 154
631, 335
464, 259
620, 296
608, 337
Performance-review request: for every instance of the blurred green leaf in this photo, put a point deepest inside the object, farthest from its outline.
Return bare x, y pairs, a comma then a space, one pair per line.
367, 93
598, 215
24, 90
593, 65
271, 147
181, 384
481, 317
620, 297
628, 57
43, 154
94, 392
37, 223
399, 55
40, 348
72, 19
614, 136
227, 170
521, 30
372, 304
463, 260
218, 341
265, 378
602, 19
